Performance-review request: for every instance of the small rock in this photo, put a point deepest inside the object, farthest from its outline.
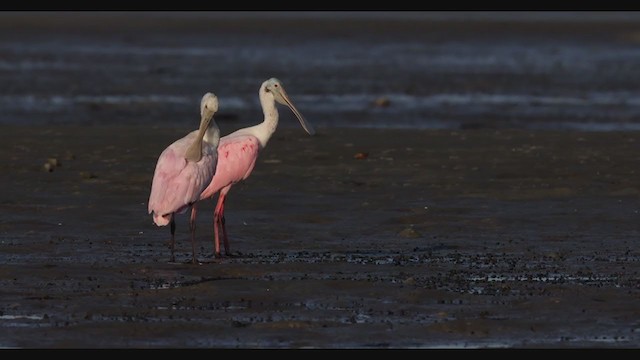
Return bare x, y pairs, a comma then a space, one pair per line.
54, 162
382, 102
409, 233
51, 164
409, 281
88, 175
361, 155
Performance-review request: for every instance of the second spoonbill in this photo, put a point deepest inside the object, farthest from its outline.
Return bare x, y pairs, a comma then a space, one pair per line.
184, 169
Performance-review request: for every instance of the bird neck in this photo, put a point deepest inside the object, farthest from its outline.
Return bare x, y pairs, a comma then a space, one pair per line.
270, 122
212, 135
194, 152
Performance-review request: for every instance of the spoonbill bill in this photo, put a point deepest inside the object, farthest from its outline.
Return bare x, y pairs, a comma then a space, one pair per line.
238, 152
184, 169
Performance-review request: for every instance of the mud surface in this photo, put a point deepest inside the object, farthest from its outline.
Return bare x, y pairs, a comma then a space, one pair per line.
350, 239
479, 225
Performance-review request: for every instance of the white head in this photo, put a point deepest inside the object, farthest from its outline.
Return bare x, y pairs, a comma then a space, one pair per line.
208, 105
273, 87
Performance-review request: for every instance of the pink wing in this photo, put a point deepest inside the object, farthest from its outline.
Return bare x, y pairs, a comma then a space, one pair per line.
177, 183
237, 156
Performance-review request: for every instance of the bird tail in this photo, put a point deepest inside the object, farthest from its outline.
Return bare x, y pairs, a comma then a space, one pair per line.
162, 220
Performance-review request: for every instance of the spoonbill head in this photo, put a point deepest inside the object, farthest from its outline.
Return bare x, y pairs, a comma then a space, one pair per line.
273, 87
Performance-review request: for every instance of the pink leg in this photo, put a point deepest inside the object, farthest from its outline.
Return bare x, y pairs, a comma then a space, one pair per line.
192, 227
219, 222
216, 227
223, 222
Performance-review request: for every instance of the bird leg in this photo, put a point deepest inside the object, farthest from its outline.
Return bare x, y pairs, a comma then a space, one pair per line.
216, 224
192, 228
173, 239
219, 222
223, 222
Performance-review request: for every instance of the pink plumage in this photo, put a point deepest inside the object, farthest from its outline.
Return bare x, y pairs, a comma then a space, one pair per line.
184, 169
237, 155
178, 183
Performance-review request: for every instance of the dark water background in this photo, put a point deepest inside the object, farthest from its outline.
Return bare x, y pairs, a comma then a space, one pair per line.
441, 70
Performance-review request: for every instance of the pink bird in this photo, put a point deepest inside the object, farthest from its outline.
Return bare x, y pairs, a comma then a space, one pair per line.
238, 151
183, 171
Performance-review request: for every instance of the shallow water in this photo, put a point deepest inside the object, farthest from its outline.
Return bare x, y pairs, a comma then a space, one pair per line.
573, 71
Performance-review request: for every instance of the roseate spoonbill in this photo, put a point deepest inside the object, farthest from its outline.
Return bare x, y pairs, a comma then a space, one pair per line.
184, 169
238, 151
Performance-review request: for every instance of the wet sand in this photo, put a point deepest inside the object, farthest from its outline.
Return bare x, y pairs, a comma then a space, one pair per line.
352, 238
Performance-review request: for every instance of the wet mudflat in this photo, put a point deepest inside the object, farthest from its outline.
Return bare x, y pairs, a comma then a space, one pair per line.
353, 238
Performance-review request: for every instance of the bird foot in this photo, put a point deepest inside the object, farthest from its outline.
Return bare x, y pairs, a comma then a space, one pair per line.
227, 255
